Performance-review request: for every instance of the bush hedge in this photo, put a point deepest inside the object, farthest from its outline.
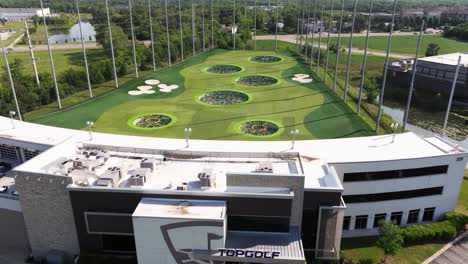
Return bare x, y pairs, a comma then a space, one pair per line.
446, 229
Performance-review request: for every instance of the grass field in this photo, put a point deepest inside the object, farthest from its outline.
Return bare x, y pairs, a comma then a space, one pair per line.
63, 59
405, 44
311, 108
364, 250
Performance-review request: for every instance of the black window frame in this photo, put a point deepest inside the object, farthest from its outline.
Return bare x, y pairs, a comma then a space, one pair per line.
430, 210
394, 215
378, 218
346, 222
394, 174
388, 196
361, 225
413, 216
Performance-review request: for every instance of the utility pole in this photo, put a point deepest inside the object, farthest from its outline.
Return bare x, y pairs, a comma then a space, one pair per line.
116, 80
31, 53
133, 38
84, 50
12, 85
54, 76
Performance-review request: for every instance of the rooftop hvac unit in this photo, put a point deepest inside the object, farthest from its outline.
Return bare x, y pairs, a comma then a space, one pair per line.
137, 180
206, 178
148, 164
182, 187
105, 182
265, 167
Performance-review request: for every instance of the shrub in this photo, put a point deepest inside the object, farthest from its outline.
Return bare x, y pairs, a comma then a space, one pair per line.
445, 229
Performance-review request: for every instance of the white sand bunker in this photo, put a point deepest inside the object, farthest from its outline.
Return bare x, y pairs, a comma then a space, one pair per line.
167, 88
152, 82
142, 90
302, 78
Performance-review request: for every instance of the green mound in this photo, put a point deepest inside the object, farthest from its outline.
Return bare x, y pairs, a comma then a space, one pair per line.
152, 121
257, 80
224, 98
266, 59
259, 128
223, 69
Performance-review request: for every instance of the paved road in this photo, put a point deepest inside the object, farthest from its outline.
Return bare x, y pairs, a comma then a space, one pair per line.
453, 254
292, 39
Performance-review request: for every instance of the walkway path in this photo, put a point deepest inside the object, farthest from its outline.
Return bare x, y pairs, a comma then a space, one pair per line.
292, 39
69, 46
453, 253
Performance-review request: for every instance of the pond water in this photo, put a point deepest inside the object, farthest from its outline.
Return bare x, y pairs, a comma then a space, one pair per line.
428, 124
72, 35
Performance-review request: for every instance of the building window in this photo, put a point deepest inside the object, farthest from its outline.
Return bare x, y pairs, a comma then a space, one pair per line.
393, 174
378, 218
413, 216
346, 222
428, 214
361, 222
396, 217
376, 197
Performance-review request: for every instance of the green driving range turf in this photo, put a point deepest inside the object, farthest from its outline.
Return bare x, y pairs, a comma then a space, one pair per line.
312, 108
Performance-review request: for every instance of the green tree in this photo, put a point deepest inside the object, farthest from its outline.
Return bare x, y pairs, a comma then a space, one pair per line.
390, 239
432, 49
371, 88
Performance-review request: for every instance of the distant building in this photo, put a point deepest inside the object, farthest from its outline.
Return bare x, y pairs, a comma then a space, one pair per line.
421, 12
456, 13
435, 73
15, 14
315, 27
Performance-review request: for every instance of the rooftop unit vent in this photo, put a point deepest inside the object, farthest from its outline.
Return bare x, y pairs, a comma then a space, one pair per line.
105, 182
206, 179
148, 164
265, 167
182, 187
138, 176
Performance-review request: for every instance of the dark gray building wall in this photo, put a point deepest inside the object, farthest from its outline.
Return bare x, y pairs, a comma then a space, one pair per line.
125, 202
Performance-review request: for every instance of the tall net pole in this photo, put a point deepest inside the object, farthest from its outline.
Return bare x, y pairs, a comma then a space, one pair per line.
364, 61
212, 26
169, 59
452, 91
313, 35
181, 30
116, 80
350, 49
234, 30
194, 50
298, 4
309, 4
319, 51
52, 66
387, 62
255, 25
12, 85
328, 42
302, 25
31, 53
413, 77
84, 50
276, 25
133, 38
151, 34
338, 46
203, 28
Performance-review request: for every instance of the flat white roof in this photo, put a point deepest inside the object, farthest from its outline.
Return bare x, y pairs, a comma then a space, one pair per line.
344, 150
449, 59
175, 208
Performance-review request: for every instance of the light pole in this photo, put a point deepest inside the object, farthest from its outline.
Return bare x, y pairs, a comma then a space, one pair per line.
293, 133
394, 126
12, 116
90, 125
187, 131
